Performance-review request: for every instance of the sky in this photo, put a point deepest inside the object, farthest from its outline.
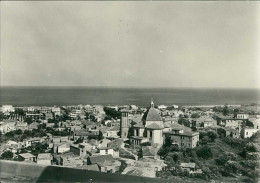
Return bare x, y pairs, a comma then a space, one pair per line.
133, 44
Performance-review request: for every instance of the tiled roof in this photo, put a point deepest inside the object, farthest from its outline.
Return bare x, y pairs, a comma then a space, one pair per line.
139, 125
153, 115
137, 137
154, 126
44, 156
27, 155
102, 160
148, 151
187, 165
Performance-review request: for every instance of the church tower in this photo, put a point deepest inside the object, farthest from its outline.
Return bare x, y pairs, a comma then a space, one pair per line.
124, 124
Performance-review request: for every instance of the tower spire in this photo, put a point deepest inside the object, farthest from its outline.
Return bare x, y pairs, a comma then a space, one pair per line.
152, 104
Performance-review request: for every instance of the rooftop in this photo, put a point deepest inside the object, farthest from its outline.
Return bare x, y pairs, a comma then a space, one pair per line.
27, 155
44, 156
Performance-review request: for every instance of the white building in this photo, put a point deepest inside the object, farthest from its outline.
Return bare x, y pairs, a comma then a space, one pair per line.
44, 159
7, 108
248, 132
242, 116
107, 150
162, 107
56, 111
149, 129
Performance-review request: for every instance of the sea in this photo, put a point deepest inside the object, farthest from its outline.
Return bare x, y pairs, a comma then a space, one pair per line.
60, 96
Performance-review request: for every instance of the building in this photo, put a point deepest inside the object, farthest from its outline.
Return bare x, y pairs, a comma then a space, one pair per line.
108, 150
149, 152
44, 159
28, 157
248, 132
7, 108
242, 116
106, 163
34, 115
256, 122
56, 111
227, 121
62, 147
7, 127
181, 136
191, 168
71, 160
149, 129
112, 133
124, 124
31, 141
22, 126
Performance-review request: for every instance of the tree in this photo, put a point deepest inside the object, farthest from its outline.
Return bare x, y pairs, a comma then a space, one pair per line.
195, 115
204, 152
28, 120
2, 116
184, 121
212, 135
18, 132
8, 155
225, 110
146, 144
168, 141
112, 112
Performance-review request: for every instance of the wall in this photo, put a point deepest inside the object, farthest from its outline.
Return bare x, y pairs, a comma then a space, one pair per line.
41, 173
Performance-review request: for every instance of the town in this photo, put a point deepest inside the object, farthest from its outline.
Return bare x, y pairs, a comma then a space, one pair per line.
218, 142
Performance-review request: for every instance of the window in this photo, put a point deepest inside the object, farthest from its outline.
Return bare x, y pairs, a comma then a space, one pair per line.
246, 133
151, 133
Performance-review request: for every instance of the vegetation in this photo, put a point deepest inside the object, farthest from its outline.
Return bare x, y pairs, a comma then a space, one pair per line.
225, 110
184, 121
7, 155
220, 159
112, 113
195, 115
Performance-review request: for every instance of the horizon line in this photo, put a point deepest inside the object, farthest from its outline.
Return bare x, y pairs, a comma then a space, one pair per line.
154, 87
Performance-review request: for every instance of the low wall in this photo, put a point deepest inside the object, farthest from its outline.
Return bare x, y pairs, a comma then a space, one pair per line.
41, 173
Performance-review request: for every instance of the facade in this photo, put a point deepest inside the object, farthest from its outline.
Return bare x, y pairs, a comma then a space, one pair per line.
242, 116
31, 141
107, 150
71, 160
149, 129
44, 159
63, 147
181, 136
229, 121
248, 132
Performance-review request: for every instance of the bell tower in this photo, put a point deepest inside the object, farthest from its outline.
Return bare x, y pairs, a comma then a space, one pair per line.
124, 124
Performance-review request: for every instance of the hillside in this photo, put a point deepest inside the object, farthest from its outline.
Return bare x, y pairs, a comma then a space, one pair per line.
222, 160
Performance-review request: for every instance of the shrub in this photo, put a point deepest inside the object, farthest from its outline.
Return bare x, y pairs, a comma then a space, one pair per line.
204, 152
7, 155
146, 144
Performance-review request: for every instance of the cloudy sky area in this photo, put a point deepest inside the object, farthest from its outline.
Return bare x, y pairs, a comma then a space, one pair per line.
143, 44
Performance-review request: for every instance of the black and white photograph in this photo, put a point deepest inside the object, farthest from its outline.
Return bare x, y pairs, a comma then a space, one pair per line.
130, 91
